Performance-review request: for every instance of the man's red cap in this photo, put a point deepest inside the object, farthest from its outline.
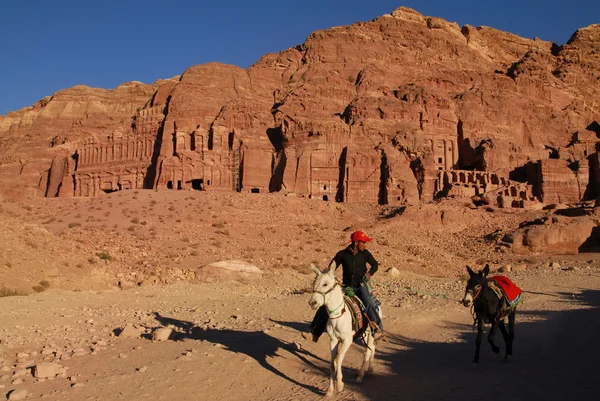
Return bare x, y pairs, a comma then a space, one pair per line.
359, 236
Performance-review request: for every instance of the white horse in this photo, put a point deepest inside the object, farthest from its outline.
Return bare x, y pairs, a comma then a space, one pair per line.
326, 291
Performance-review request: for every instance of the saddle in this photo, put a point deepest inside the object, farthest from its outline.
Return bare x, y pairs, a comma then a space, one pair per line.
360, 320
359, 316
508, 292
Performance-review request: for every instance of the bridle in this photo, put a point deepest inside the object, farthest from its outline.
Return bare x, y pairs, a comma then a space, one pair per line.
329, 312
478, 292
473, 303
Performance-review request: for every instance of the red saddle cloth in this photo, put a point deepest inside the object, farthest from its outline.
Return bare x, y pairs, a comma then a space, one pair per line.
511, 291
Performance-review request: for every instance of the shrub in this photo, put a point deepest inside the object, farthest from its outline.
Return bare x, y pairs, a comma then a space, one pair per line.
7, 292
104, 255
74, 224
43, 286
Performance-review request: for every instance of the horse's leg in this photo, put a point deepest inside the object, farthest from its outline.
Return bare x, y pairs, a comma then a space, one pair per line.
505, 336
491, 335
478, 339
344, 345
367, 365
333, 346
511, 332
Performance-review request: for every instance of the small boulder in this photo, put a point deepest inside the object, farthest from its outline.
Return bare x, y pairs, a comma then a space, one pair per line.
19, 394
45, 370
129, 331
161, 334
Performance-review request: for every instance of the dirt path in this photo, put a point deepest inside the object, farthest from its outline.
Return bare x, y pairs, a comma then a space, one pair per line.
237, 341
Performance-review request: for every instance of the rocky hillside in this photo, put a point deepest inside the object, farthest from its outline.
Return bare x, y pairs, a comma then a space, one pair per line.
394, 100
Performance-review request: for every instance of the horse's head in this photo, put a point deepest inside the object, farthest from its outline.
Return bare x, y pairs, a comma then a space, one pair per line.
323, 285
476, 283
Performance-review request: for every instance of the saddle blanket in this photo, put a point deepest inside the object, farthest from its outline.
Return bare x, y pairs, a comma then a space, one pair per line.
511, 292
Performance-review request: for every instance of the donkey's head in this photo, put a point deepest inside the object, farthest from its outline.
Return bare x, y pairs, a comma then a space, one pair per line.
323, 285
477, 282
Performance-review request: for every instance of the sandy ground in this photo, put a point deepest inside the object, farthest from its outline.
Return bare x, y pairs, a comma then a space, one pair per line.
86, 268
239, 341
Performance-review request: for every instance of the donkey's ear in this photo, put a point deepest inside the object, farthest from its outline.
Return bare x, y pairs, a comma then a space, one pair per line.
331, 268
486, 270
471, 272
315, 269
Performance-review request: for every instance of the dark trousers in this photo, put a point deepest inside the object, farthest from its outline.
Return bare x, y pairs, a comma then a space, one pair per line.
319, 323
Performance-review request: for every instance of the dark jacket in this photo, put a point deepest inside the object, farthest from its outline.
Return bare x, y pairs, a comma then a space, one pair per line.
355, 266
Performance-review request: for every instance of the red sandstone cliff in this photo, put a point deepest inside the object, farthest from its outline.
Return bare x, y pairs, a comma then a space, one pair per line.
393, 111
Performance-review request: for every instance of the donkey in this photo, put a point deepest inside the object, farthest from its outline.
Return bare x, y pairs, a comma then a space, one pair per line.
489, 308
326, 291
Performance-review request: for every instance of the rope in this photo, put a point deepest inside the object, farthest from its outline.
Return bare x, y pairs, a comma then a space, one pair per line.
416, 292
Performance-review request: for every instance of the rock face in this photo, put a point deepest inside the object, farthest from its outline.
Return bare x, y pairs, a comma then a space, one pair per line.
564, 238
397, 110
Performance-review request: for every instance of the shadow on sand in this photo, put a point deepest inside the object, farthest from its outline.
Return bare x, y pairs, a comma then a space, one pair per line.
556, 356
257, 345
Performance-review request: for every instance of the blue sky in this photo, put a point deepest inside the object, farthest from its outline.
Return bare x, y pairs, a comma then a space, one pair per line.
48, 45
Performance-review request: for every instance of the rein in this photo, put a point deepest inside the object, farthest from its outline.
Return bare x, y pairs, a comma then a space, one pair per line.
473, 306
478, 292
340, 313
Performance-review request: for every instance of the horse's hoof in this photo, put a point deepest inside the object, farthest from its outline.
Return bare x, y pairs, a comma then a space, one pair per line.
329, 393
340, 387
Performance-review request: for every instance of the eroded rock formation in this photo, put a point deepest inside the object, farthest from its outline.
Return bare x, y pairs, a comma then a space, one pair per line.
397, 110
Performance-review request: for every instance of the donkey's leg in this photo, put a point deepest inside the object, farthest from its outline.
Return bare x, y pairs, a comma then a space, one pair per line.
333, 346
370, 369
478, 339
505, 336
344, 345
511, 332
369, 351
491, 335
372, 358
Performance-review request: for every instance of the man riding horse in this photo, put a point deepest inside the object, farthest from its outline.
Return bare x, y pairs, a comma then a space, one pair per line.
354, 259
